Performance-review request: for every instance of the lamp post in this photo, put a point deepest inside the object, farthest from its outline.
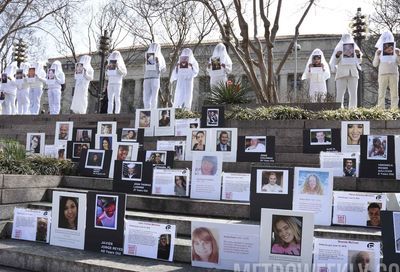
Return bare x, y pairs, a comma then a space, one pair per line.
104, 47
19, 54
296, 48
359, 29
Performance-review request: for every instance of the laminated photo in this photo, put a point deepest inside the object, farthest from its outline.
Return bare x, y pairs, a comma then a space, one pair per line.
286, 239
173, 182
31, 225
313, 192
31, 72
236, 186
272, 181
149, 240
358, 208
51, 74
377, 147
78, 69
184, 62
224, 246
216, 63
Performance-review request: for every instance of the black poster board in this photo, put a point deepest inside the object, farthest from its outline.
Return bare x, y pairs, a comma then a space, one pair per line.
91, 167
140, 183
84, 135
74, 149
264, 154
105, 222
167, 157
377, 161
212, 117
390, 238
263, 196
331, 140
138, 135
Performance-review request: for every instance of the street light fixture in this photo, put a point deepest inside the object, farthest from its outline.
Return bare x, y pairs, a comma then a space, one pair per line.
19, 54
104, 47
296, 48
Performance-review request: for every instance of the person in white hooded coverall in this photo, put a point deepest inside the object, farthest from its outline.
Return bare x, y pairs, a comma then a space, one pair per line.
23, 90
115, 72
219, 65
55, 78
345, 61
10, 89
36, 78
317, 72
387, 58
83, 76
155, 65
184, 72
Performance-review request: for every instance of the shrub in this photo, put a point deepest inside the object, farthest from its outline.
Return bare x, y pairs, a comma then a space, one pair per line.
231, 92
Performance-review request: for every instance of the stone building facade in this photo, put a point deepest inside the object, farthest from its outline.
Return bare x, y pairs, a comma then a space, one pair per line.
133, 82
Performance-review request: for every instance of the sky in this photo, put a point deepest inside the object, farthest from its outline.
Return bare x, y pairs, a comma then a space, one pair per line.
327, 17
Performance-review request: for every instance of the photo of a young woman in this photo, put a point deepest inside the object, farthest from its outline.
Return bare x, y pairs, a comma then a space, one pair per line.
312, 185
68, 213
286, 235
354, 132
204, 246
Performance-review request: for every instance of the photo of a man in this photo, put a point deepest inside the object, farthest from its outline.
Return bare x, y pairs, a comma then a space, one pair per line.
212, 117
131, 171
123, 151
272, 182
224, 141
349, 169
63, 131
157, 158
106, 212
164, 119
320, 137
374, 215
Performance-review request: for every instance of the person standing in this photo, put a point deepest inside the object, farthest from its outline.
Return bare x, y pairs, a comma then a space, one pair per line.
9, 89
317, 72
345, 61
22, 84
115, 72
83, 76
219, 65
36, 78
155, 65
55, 78
184, 73
387, 58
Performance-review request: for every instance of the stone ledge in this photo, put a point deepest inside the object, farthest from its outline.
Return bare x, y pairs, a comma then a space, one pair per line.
30, 181
22, 195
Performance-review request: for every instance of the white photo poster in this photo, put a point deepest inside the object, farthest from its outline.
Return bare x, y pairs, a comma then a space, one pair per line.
63, 132
358, 209
313, 192
174, 182
105, 141
224, 140
351, 132
35, 143
106, 127
69, 219
224, 246
164, 125
145, 119
206, 176
342, 164
31, 225
236, 186
198, 141
346, 255
286, 239
397, 155
177, 146
183, 125
121, 152
149, 240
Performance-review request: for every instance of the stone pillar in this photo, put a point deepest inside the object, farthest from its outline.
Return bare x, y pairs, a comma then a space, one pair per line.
138, 93
283, 88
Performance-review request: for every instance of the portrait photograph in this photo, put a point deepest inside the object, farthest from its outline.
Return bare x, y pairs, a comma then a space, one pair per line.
205, 246
312, 182
106, 142
212, 117
77, 149
19, 74
179, 154
31, 73
95, 159
377, 147
144, 119
156, 157
255, 144
223, 140
129, 135
42, 228
373, 211
63, 131
124, 151
199, 140
150, 58
396, 231
61, 154
206, 166
215, 63
79, 68
351, 132
106, 128
320, 136
164, 118
106, 212
348, 50
83, 135
286, 235
131, 171
349, 167
35, 143
3, 78
388, 49
272, 181
51, 74
359, 260
184, 62
68, 212
112, 65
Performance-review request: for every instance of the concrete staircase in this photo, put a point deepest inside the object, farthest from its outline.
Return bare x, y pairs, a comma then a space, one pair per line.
36, 192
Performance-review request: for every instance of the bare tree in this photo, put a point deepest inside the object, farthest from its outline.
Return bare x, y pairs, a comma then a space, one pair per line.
256, 55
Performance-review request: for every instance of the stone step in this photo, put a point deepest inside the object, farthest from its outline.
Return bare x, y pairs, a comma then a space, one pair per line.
10, 269
183, 224
45, 258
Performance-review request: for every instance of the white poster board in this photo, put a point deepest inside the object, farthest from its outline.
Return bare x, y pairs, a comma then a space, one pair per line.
173, 182
145, 119
397, 155
123, 151
31, 225
149, 240
35, 143
165, 121
63, 132
198, 141
224, 140
351, 132
342, 164
183, 125
177, 146
236, 186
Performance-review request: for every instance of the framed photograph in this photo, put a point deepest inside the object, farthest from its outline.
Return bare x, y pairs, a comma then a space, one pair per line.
77, 149
106, 128
255, 144
272, 181
351, 134
198, 140
144, 119
129, 135
35, 143
63, 131
212, 117
320, 136
95, 159
131, 170
377, 147
106, 212
164, 118
156, 157
83, 135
